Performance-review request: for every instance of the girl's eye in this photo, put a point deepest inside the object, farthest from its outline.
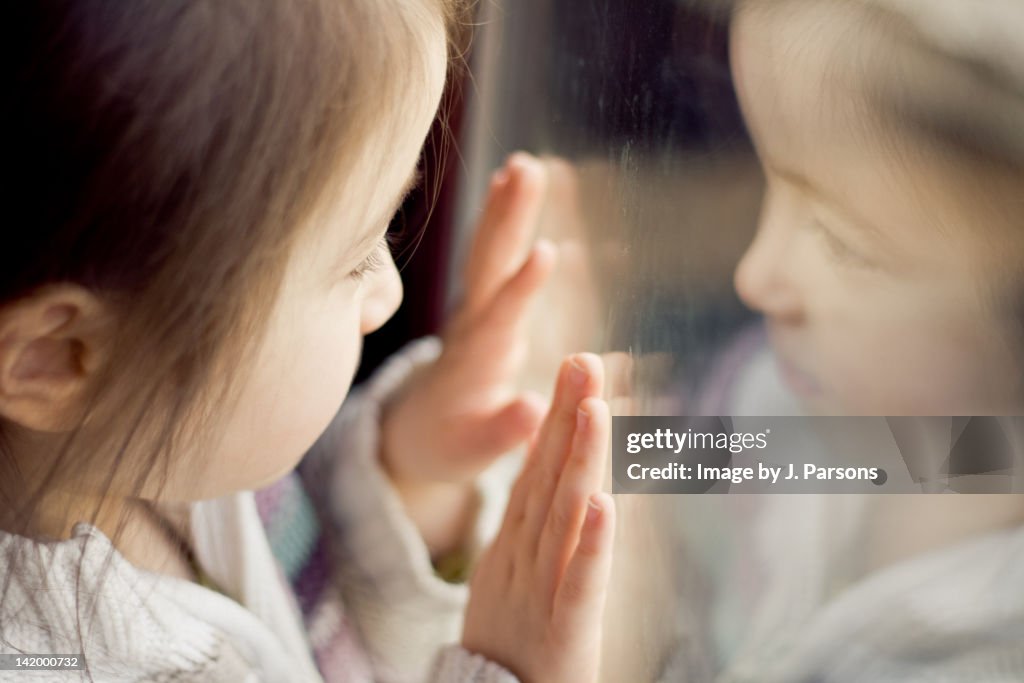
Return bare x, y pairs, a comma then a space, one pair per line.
838, 249
377, 259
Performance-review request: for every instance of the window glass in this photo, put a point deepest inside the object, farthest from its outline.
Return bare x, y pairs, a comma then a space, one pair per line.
780, 208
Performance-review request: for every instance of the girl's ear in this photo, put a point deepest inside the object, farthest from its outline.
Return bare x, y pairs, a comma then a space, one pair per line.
52, 345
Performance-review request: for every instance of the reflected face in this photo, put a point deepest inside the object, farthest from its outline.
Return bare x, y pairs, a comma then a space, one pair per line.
883, 268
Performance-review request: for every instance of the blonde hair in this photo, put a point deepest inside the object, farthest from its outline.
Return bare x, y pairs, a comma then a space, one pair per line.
169, 155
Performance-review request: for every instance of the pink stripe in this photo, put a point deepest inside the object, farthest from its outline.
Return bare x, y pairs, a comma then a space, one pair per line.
268, 500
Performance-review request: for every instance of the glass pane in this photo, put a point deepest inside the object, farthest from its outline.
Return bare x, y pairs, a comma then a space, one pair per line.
890, 135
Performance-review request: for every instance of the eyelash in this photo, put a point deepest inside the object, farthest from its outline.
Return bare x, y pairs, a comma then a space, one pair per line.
375, 261
838, 249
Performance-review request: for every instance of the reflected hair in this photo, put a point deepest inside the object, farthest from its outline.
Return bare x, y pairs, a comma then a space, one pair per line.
949, 71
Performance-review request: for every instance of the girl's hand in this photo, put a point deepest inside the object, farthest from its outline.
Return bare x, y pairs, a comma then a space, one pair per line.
461, 413
537, 596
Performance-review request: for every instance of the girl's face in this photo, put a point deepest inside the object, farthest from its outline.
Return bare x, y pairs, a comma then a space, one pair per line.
879, 271
306, 362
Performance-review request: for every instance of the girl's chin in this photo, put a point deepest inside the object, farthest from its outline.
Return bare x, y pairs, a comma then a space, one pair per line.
801, 383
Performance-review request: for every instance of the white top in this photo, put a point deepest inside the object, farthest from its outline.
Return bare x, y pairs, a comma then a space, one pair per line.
137, 625
791, 603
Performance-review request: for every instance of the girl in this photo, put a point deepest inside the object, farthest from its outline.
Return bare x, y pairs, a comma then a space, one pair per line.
887, 265
201, 194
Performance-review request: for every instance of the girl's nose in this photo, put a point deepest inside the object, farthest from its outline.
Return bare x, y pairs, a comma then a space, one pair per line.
765, 278
383, 296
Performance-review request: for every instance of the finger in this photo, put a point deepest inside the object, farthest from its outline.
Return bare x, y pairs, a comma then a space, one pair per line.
508, 307
491, 346
509, 217
494, 434
581, 376
520, 493
511, 537
581, 478
505, 228
580, 598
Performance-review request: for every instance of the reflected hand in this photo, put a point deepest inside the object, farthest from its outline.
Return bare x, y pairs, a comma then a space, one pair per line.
538, 594
459, 414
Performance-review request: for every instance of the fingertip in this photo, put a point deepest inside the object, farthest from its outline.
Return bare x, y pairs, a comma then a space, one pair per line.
576, 370
533, 272
585, 366
541, 260
576, 378
598, 525
593, 407
600, 507
500, 177
521, 159
591, 413
527, 169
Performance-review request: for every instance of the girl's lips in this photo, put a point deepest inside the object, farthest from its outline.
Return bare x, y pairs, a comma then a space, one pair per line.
799, 381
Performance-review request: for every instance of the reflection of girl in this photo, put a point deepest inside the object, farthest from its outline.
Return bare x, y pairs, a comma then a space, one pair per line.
202, 192
887, 267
